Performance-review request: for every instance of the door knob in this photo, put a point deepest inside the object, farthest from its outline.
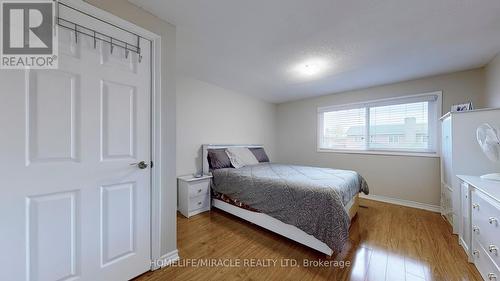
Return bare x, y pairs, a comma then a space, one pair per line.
140, 165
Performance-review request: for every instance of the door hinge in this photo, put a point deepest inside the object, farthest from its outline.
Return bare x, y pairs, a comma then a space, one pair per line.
151, 164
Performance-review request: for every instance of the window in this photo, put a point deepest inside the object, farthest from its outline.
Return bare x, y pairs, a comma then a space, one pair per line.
404, 125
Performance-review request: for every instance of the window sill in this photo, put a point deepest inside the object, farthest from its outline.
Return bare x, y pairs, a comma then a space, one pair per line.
381, 152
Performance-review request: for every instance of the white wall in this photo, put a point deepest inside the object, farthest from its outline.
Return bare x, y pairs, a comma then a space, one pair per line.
130, 12
210, 114
492, 90
402, 177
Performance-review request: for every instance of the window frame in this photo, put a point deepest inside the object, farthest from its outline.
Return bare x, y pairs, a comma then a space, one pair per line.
433, 123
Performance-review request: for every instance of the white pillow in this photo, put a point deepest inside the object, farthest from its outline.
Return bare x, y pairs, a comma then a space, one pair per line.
241, 156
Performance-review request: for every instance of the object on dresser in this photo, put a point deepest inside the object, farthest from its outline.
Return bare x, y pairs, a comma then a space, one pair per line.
193, 194
488, 138
462, 107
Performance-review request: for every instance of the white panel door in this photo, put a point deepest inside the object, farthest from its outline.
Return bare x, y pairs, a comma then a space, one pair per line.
72, 207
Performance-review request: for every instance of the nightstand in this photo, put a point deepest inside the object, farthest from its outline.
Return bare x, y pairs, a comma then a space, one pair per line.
194, 194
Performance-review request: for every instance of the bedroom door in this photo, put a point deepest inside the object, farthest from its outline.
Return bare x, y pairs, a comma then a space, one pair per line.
75, 155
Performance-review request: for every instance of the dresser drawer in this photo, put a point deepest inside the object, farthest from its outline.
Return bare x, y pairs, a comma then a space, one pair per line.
485, 224
484, 263
199, 188
199, 202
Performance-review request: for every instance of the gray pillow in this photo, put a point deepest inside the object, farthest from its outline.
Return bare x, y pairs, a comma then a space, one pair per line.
260, 154
218, 159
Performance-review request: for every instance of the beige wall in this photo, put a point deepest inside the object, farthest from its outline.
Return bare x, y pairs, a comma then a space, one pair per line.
492, 76
210, 114
402, 177
130, 12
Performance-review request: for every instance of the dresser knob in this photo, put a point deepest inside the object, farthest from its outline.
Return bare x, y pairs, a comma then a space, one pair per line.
492, 276
475, 253
475, 206
493, 249
475, 229
493, 220
199, 190
199, 203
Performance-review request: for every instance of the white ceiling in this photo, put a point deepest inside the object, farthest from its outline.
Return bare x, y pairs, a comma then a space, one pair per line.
252, 46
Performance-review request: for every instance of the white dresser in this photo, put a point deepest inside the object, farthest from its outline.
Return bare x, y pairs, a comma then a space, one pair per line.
480, 235
194, 195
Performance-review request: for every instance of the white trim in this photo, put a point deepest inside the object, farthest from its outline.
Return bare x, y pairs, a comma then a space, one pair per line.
165, 260
158, 171
158, 109
434, 138
380, 152
402, 202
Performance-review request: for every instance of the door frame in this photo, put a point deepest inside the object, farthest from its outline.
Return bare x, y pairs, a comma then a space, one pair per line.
158, 109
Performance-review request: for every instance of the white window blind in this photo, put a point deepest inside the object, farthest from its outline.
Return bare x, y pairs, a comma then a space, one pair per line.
407, 124
344, 129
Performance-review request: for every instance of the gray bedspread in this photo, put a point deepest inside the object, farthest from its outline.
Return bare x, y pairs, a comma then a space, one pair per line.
310, 198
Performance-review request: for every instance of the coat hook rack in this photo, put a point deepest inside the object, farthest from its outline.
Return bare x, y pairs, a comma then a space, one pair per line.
95, 34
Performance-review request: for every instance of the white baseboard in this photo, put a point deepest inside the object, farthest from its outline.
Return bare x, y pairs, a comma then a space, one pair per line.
402, 202
165, 260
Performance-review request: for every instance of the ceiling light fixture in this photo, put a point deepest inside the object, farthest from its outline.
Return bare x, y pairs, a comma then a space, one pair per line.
311, 68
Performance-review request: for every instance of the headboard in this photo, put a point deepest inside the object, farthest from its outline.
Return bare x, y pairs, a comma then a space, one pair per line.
206, 147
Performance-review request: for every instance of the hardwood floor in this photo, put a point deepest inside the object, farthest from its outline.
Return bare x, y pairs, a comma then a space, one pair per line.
387, 242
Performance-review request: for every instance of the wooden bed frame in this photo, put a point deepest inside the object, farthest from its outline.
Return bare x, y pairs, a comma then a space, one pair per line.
268, 222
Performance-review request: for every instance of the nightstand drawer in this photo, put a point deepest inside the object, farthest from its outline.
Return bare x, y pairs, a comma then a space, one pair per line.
199, 189
199, 202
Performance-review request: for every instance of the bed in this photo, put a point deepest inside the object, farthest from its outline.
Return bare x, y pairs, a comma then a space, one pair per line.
312, 206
